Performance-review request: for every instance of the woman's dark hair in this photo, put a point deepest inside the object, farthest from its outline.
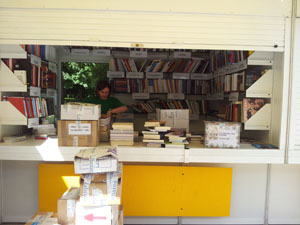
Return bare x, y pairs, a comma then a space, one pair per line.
101, 85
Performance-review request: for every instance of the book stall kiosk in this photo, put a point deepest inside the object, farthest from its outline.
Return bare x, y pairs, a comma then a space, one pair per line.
271, 49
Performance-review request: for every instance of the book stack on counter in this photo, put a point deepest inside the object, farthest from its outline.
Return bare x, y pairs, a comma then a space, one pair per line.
122, 133
104, 128
196, 138
177, 139
155, 133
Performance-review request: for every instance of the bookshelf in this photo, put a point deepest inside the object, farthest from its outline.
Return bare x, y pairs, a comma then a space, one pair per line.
9, 82
261, 120
262, 88
19, 78
225, 75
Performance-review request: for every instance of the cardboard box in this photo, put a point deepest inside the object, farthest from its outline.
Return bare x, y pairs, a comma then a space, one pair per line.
43, 218
175, 118
80, 111
78, 133
66, 206
104, 215
101, 189
96, 160
222, 134
100, 193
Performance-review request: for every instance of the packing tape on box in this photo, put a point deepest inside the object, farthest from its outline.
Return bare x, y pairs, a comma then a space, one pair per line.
75, 141
86, 185
97, 197
112, 184
92, 163
71, 208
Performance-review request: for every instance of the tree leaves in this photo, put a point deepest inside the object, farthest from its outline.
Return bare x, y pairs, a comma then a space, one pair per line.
80, 79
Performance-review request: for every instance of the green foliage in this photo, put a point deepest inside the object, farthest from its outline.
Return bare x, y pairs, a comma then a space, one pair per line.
80, 79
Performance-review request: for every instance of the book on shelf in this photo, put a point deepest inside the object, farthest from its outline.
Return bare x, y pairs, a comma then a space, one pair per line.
31, 107
122, 126
223, 58
196, 107
153, 140
252, 75
35, 73
152, 136
154, 123
147, 132
126, 85
251, 106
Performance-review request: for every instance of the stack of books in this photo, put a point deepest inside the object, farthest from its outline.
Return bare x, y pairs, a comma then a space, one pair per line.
177, 139
155, 133
122, 133
195, 137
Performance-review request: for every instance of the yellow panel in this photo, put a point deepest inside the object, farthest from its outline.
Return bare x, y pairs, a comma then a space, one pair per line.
206, 191
54, 180
176, 191
152, 190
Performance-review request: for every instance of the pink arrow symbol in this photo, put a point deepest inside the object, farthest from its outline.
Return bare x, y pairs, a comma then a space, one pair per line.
91, 217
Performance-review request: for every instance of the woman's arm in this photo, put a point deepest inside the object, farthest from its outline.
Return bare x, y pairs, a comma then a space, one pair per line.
117, 110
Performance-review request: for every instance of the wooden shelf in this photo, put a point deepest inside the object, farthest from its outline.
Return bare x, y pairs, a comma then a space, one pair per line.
261, 120
9, 115
9, 81
12, 51
48, 150
262, 88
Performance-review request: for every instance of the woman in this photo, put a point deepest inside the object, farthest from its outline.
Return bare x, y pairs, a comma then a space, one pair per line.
109, 105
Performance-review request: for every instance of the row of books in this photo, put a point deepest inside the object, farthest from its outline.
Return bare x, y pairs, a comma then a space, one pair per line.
36, 76
37, 50
228, 83
223, 58
241, 111
159, 65
124, 85
196, 107
32, 107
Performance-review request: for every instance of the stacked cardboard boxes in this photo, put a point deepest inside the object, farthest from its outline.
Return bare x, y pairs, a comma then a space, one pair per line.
66, 206
100, 187
79, 125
